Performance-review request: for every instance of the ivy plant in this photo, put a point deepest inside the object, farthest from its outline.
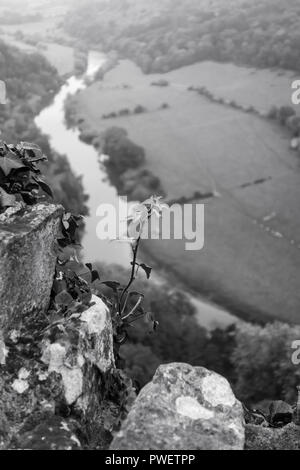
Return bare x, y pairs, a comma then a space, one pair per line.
20, 178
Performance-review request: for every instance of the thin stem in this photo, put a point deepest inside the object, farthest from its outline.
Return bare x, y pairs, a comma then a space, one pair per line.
125, 303
132, 275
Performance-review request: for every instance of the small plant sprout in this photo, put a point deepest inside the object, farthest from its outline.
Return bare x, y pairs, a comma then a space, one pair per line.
128, 303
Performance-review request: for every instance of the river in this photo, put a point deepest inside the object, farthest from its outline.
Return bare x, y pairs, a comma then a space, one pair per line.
84, 161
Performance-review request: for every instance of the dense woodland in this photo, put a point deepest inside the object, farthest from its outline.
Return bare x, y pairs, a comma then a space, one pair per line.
171, 33
31, 83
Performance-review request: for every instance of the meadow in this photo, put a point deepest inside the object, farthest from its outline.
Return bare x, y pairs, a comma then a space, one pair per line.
251, 258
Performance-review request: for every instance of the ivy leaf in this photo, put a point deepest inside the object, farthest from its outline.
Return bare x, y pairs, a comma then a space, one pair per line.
64, 299
59, 286
6, 200
32, 148
44, 186
9, 163
112, 285
86, 276
95, 275
147, 270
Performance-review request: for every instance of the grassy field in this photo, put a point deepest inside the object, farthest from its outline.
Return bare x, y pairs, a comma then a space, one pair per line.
251, 257
61, 57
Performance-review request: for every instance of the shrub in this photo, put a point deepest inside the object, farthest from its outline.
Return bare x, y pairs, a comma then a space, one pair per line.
161, 83
273, 113
140, 109
124, 112
284, 113
122, 151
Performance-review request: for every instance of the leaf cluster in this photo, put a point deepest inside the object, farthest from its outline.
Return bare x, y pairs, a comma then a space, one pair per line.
20, 178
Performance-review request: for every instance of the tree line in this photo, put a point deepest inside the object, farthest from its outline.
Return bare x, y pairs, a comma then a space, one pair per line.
260, 33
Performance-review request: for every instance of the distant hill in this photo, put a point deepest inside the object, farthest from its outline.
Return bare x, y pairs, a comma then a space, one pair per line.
161, 35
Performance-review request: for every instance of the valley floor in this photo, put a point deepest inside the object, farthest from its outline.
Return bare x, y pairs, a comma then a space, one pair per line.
251, 258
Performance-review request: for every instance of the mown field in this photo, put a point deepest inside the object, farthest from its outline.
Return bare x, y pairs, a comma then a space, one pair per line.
251, 258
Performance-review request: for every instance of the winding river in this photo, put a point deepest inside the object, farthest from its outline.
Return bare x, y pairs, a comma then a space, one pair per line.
84, 161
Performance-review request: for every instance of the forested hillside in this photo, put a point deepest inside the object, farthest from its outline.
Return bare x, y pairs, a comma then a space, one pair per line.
31, 83
167, 34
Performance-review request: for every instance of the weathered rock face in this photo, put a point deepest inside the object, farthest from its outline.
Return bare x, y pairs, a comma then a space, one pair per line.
183, 408
79, 350
260, 438
59, 388
62, 372
27, 259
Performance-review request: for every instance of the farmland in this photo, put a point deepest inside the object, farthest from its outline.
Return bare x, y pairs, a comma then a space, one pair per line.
251, 258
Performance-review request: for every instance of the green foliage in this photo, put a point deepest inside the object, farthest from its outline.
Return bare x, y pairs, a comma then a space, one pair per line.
140, 362
165, 35
286, 116
263, 364
75, 282
160, 83
122, 151
19, 175
125, 166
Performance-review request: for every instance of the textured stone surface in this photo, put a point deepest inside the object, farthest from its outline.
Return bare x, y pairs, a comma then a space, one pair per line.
260, 438
53, 434
183, 408
27, 259
66, 371
77, 353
